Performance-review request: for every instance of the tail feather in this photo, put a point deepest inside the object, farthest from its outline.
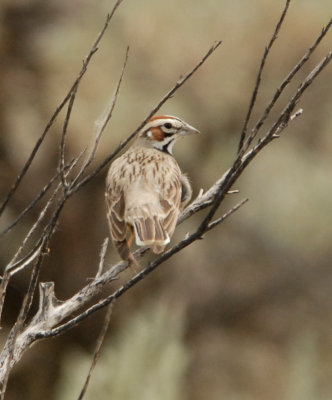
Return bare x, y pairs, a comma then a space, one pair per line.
148, 226
161, 234
149, 231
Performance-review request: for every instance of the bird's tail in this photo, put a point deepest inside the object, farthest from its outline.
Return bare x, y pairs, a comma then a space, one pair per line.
148, 228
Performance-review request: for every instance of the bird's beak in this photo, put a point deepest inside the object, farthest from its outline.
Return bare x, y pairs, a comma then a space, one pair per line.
188, 130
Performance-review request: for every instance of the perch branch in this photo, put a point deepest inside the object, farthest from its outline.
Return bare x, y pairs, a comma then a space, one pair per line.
52, 316
19, 341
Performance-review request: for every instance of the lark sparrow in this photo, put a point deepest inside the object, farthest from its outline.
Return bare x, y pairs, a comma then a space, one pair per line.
145, 188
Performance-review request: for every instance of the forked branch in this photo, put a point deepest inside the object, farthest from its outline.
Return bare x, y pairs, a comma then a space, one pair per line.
55, 317
48, 317
68, 96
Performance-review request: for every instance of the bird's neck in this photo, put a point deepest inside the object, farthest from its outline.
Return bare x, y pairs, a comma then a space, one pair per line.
165, 146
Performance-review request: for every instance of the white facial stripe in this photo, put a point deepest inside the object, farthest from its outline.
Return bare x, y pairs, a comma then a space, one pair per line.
160, 121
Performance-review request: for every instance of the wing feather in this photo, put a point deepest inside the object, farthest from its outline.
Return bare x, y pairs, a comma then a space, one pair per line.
115, 204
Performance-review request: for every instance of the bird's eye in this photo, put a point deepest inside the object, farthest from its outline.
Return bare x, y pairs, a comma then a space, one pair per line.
168, 125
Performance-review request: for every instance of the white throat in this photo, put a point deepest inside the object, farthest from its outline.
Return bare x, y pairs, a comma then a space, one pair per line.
166, 145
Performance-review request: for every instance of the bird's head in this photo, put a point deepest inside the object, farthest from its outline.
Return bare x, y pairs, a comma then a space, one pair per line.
162, 131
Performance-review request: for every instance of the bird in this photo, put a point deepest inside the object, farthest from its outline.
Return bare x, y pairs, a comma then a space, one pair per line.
145, 188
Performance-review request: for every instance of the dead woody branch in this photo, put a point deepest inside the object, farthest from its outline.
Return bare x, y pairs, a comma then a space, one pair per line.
55, 317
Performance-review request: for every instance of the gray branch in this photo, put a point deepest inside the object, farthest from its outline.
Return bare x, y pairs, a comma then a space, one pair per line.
55, 316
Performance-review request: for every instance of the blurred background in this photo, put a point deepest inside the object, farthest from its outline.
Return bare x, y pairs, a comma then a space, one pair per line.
246, 312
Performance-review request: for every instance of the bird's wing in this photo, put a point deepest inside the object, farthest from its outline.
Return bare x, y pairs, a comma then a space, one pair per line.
170, 199
115, 206
186, 191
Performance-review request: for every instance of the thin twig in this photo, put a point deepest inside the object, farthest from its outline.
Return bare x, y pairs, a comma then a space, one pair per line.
96, 354
203, 201
63, 140
259, 75
40, 247
73, 88
15, 265
286, 115
285, 83
226, 215
41, 216
33, 203
240, 163
101, 125
102, 257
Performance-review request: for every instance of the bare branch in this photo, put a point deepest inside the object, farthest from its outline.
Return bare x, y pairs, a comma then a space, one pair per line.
37, 330
73, 88
226, 215
152, 266
259, 75
56, 213
55, 317
96, 354
90, 289
15, 266
101, 125
287, 114
16, 330
32, 204
285, 83
63, 141
102, 257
